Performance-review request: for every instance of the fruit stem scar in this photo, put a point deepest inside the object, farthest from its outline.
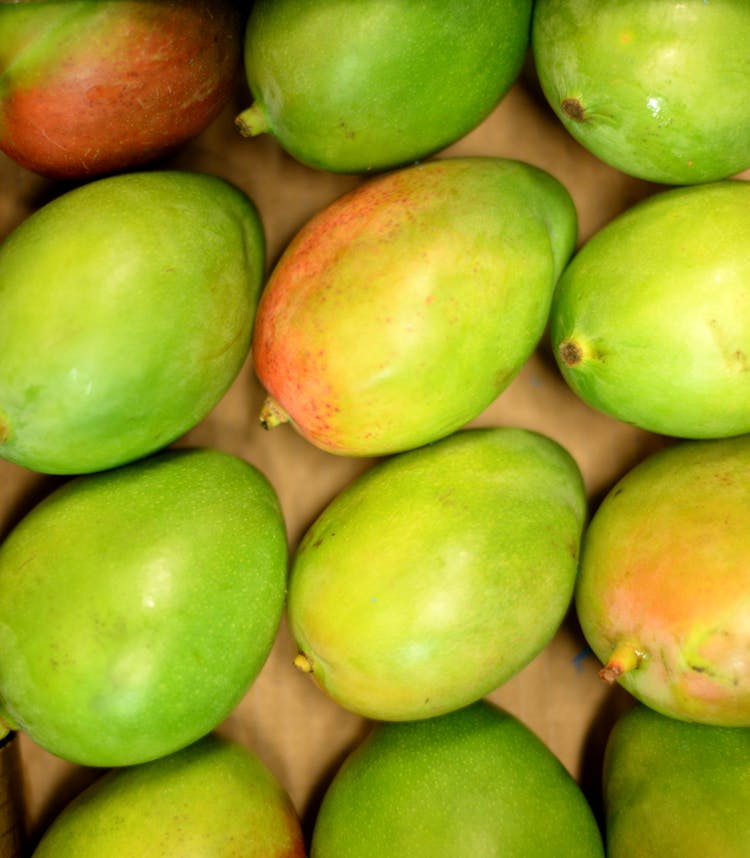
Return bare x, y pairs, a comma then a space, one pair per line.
272, 414
623, 659
303, 663
570, 352
573, 109
252, 121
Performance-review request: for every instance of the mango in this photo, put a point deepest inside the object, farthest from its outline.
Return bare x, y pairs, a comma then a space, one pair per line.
674, 789
352, 89
214, 798
404, 308
659, 89
139, 78
126, 310
663, 592
473, 782
650, 321
139, 604
439, 573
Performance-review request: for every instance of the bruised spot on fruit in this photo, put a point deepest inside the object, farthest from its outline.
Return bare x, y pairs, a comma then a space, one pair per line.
573, 109
571, 352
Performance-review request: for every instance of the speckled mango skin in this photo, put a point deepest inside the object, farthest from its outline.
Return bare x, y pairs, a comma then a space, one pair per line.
675, 790
664, 569
470, 783
439, 573
650, 321
139, 604
213, 799
381, 83
401, 310
89, 87
126, 310
660, 91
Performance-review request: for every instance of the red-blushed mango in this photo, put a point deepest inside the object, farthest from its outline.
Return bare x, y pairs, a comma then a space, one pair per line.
214, 798
381, 83
476, 782
650, 321
402, 309
663, 594
439, 573
89, 87
139, 604
659, 89
126, 310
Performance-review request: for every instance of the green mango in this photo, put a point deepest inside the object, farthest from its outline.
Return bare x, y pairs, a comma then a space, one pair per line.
213, 799
663, 590
354, 87
401, 310
475, 782
438, 573
650, 321
126, 310
659, 89
675, 790
139, 604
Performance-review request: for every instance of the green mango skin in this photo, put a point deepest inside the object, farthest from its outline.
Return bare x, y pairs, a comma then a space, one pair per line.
356, 87
473, 782
439, 573
139, 604
126, 310
141, 78
650, 321
659, 89
401, 310
663, 591
213, 799
675, 790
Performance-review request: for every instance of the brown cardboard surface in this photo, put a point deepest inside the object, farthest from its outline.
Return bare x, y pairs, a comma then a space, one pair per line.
299, 732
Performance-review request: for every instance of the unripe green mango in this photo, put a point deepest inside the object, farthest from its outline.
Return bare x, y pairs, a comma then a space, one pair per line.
354, 87
659, 89
138, 605
650, 321
213, 799
401, 310
471, 783
663, 591
676, 790
126, 310
439, 573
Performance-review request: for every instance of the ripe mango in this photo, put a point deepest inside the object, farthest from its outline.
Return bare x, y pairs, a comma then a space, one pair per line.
675, 790
401, 310
214, 798
126, 309
471, 783
650, 321
139, 604
663, 592
439, 573
356, 88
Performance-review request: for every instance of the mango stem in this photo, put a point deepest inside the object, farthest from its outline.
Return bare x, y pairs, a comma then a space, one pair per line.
624, 657
272, 414
303, 663
252, 121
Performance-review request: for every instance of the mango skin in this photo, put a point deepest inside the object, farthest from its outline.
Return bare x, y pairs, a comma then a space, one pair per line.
439, 573
664, 573
658, 90
473, 782
675, 790
351, 89
126, 310
401, 310
140, 78
650, 321
139, 604
214, 798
